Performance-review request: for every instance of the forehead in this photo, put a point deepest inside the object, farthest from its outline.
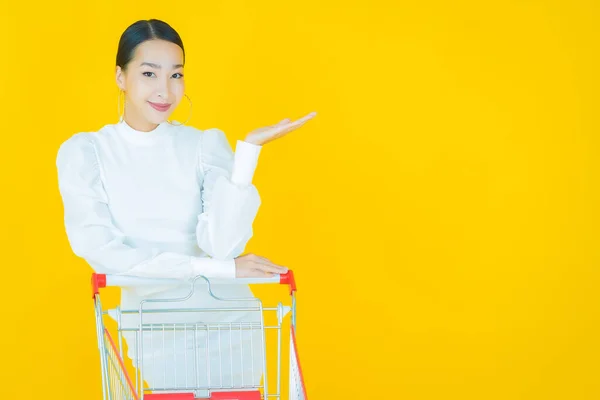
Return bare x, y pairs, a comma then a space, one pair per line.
159, 52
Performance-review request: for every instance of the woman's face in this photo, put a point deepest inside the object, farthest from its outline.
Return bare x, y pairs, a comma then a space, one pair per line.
154, 78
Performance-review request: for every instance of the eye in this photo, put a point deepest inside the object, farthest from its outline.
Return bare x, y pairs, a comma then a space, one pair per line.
147, 72
181, 75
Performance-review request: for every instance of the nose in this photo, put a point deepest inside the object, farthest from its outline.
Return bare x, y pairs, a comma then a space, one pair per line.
163, 88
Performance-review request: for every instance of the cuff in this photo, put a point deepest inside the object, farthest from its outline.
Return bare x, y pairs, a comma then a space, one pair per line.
244, 163
213, 268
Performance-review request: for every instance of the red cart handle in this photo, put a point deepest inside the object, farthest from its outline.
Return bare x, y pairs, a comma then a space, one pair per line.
288, 279
100, 281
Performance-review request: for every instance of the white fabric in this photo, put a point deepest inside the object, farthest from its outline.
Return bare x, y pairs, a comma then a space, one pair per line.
175, 202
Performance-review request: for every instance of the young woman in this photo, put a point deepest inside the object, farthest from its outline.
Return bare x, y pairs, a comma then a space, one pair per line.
151, 197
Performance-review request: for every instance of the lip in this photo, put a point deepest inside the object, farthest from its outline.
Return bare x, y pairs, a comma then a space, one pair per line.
160, 107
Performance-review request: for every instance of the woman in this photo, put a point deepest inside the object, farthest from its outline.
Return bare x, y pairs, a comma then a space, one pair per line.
151, 197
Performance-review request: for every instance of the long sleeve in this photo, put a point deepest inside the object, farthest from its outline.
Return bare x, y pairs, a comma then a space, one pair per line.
93, 235
230, 201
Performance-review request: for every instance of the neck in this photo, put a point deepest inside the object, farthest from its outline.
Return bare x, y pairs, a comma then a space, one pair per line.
139, 123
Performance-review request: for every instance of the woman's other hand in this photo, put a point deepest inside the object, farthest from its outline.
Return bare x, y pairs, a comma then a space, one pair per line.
253, 266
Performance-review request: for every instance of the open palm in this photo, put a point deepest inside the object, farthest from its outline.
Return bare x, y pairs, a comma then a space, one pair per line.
267, 134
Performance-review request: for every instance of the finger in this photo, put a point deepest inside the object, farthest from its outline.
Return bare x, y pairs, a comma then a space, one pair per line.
288, 127
271, 268
261, 272
264, 259
269, 262
268, 266
277, 131
283, 122
304, 119
284, 129
257, 273
308, 117
298, 123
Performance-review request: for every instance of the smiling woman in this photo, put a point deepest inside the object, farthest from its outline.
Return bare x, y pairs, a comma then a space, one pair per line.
151, 74
145, 197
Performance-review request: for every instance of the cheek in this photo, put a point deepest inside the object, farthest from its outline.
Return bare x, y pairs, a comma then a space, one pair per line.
139, 91
178, 89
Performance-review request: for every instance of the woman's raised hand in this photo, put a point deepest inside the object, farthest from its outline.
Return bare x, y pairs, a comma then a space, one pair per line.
267, 134
253, 266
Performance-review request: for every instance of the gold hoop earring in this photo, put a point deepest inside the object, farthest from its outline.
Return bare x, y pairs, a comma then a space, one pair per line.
121, 114
189, 115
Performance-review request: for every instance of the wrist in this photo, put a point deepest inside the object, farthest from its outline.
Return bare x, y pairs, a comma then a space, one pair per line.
255, 142
244, 163
213, 268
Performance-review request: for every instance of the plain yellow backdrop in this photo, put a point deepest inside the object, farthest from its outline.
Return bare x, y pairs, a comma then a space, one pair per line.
441, 211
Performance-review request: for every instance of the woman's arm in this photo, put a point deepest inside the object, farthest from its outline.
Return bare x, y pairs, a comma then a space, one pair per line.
92, 234
230, 201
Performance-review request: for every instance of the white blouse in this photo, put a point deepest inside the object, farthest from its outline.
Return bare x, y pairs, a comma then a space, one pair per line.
175, 202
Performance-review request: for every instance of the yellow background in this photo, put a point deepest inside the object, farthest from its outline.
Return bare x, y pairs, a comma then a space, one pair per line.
441, 211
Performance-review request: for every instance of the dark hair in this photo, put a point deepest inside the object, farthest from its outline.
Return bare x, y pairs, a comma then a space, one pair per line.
139, 32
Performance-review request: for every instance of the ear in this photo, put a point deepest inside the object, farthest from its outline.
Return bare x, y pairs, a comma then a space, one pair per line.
120, 78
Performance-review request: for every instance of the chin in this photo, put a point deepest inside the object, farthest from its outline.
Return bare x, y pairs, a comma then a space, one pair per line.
157, 119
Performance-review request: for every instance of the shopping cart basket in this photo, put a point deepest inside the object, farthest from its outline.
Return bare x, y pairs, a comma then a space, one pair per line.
195, 370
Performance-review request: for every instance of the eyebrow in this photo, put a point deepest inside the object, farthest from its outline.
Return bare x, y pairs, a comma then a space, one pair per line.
157, 66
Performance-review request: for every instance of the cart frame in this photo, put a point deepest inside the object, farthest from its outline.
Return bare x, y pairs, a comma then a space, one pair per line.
118, 385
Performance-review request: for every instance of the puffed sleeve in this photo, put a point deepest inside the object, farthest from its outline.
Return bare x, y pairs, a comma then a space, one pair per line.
93, 235
230, 201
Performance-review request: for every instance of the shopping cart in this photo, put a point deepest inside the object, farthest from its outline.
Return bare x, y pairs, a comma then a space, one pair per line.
194, 357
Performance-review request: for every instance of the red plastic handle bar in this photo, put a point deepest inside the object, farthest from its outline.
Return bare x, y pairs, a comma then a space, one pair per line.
99, 281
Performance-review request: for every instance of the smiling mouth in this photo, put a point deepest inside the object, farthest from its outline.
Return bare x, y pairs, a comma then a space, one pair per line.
160, 107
